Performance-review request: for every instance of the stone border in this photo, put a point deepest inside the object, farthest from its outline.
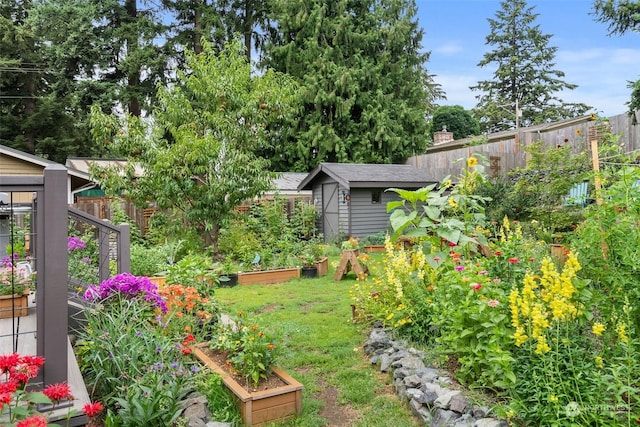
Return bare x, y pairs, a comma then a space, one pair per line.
430, 399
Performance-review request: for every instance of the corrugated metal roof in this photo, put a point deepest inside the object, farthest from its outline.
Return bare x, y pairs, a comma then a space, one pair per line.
81, 164
353, 175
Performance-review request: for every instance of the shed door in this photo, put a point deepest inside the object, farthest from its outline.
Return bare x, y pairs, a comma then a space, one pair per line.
330, 211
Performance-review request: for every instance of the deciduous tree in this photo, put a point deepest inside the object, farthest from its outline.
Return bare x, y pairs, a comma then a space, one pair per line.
456, 119
197, 152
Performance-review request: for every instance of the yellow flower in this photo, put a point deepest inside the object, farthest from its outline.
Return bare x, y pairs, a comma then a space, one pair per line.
390, 316
553, 398
471, 162
578, 132
452, 202
598, 328
622, 332
599, 363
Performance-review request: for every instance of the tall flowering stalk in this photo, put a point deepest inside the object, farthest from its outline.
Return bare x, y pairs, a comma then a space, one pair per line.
545, 301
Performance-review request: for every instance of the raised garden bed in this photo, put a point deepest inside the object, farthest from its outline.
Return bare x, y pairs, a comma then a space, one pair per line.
264, 406
267, 277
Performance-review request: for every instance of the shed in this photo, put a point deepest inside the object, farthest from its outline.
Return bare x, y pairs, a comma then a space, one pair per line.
350, 198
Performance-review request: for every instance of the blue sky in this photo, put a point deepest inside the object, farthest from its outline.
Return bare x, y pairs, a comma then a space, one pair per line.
601, 65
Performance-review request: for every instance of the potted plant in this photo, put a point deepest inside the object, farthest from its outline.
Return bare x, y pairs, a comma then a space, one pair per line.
243, 354
352, 244
309, 268
15, 277
229, 276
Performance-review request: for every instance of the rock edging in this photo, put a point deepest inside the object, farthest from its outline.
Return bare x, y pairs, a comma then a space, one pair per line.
426, 390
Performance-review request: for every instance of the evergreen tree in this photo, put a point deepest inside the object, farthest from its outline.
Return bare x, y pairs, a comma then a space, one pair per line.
525, 81
218, 22
33, 118
622, 16
366, 92
456, 119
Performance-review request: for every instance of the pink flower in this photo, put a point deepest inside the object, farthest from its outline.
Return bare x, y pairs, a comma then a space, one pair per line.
496, 280
33, 421
58, 392
459, 267
482, 272
513, 260
475, 286
92, 409
436, 259
493, 303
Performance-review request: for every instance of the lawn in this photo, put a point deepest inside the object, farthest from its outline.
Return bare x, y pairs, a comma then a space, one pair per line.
323, 350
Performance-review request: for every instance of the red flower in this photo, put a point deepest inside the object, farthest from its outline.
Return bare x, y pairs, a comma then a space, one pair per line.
23, 373
8, 361
186, 350
92, 409
33, 421
33, 360
513, 260
497, 253
58, 392
5, 399
476, 286
9, 386
451, 244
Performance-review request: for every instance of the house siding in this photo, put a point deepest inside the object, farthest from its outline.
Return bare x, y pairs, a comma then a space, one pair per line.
13, 166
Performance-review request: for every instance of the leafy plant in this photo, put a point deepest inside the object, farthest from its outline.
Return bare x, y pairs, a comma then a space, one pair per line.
250, 350
147, 261
220, 401
350, 244
15, 275
21, 401
374, 239
127, 350
197, 271
450, 213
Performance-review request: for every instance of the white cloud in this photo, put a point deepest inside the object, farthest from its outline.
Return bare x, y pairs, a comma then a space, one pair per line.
449, 48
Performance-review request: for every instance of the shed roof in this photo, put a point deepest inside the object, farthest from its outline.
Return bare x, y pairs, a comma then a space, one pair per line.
358, 175
289, 181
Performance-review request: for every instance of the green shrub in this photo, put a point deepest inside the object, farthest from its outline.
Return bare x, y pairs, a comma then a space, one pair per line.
147, 261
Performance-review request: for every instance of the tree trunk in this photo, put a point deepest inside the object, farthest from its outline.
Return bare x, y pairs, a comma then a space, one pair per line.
133, 79
197, 28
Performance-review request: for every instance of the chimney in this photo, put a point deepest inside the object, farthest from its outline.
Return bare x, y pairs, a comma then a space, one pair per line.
442, 136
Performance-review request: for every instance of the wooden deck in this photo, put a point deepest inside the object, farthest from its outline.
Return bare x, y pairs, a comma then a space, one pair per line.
18, 334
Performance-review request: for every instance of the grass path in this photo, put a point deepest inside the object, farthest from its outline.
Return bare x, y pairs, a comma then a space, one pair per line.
323, 350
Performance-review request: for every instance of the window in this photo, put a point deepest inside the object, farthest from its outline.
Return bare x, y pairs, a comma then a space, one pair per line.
376, 196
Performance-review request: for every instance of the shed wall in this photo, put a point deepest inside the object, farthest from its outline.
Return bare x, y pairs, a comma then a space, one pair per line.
367, 217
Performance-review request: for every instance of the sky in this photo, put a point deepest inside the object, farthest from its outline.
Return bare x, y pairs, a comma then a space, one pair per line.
455, 33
